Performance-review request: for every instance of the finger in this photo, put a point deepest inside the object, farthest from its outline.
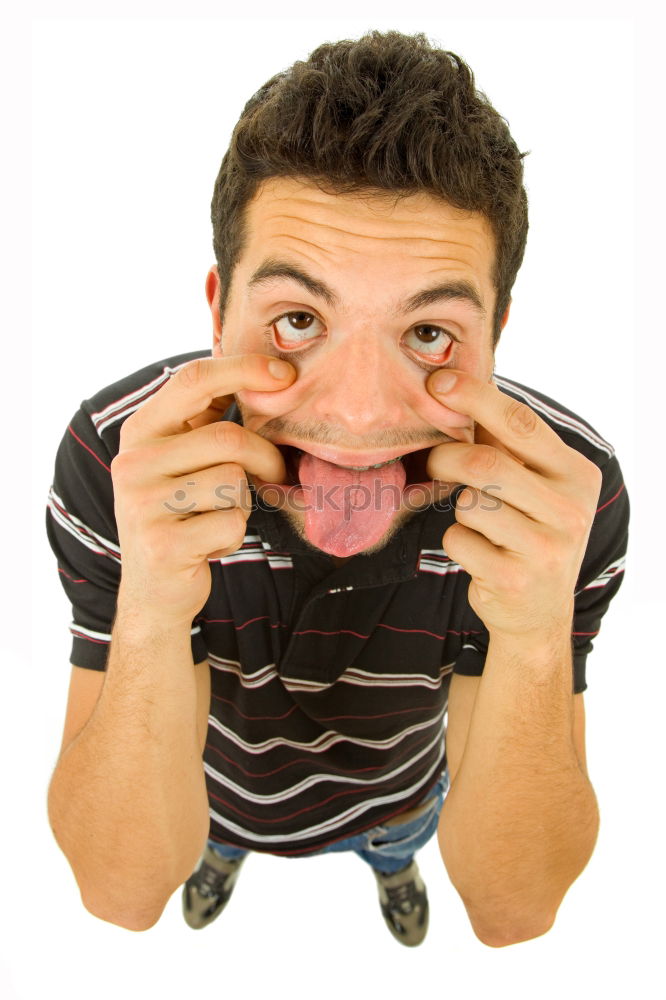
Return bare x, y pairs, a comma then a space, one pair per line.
482, 436
494, 473
472, 550
503, 525
191, 390
207, 448
214, 533
214, 489
512, 423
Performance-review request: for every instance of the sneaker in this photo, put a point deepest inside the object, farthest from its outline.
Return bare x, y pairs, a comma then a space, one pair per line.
404, 903
208, 890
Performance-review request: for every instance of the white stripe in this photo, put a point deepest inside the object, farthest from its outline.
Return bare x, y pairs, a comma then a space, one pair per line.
562, 419
249, 551
125, 405
436, 561
240, 556
353, 676
253, 549
280, 562
329, 826
81, 531
91, 634
611, 570
258, 679
316, 779
321, 744
106, 636
362, 678
276, 560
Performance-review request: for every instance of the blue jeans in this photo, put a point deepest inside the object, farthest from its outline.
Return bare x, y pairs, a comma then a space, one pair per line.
388, 849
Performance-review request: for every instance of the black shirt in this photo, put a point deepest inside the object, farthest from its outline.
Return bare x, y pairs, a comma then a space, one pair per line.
329, 685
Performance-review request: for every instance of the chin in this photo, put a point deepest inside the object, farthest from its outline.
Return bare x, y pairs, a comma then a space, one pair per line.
400, 518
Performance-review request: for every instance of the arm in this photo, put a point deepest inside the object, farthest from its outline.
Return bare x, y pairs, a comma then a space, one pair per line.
520, 821
127, 801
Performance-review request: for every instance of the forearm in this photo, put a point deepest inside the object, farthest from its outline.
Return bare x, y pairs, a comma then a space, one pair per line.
520, 821
127, 802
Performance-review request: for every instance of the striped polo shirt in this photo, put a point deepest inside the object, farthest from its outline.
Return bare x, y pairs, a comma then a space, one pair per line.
329, 684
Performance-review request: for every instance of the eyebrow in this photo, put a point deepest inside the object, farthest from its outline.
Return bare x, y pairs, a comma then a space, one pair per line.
460, 289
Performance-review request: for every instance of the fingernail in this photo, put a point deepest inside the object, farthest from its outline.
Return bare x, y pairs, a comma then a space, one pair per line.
279, 369
443, 381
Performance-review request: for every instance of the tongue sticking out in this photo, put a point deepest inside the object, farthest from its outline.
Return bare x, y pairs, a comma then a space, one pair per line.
347, 510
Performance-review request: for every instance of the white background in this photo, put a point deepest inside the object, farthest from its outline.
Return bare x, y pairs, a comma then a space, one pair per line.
130, 118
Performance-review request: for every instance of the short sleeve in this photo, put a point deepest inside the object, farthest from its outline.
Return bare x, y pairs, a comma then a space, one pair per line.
602, 570
599, 580
82, 533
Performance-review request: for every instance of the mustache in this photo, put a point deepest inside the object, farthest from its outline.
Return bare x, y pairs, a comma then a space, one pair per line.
321, 433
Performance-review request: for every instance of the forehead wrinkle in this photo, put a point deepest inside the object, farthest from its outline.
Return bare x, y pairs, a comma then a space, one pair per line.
379, 203
328, 249
398, 237
439, 257
300, 239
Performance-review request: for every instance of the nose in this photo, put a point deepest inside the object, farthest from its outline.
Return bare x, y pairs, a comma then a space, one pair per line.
357, 385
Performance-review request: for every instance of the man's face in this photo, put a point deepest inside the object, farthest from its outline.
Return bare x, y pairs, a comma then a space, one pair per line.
364, 352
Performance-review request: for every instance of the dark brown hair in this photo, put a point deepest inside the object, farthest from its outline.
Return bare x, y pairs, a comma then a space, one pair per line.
391, 112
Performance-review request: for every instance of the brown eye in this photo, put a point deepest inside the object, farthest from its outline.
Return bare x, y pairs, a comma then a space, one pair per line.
429, 339
431, 334
300, 321
289, 325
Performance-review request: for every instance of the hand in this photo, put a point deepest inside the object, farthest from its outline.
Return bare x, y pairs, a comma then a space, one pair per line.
181, 493
523, 520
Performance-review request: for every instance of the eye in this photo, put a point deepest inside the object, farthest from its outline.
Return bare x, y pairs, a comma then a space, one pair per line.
430, 340
296, 327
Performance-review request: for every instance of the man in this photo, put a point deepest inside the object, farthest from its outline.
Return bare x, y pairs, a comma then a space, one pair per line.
364, 652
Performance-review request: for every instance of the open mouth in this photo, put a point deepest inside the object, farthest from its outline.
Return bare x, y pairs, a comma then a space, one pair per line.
414, 463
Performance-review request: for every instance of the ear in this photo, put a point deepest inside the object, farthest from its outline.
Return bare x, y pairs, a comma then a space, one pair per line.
213, 299
503, 322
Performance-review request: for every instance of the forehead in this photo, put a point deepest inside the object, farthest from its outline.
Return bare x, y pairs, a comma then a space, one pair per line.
295, 214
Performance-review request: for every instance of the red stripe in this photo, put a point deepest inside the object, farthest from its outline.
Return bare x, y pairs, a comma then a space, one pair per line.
103, 642
611, 499
84, 445
300, 812
218, 621
320, 718
406, 755
342, 631
360, 635
71, 577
